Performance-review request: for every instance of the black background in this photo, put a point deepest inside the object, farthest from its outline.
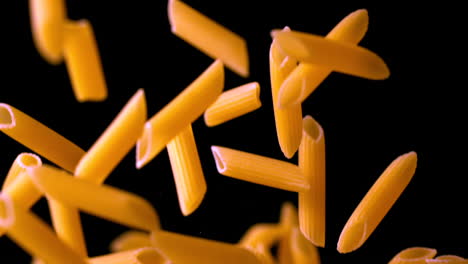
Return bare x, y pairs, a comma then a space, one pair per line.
367, 123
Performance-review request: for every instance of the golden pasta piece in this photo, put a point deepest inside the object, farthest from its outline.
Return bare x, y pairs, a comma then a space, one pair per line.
413, 255
83, 61
201, 250
144, 255
33, 235
260, 238
111, 147
288, 221
22, 162
103, 201
312, 163
288, 121
233, 103
447, 259
130, 240
336, 55
209, 37
259, 169
306, 77
179, 113
377, 202
187, 170
302, 250
47, 21
39, 138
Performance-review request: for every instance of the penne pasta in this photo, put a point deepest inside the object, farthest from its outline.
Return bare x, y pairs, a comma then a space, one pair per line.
377, 202
116, 141
179, 113
288, 221
130, 240
305, 78
260, 238
187, 170
47, 21
22, 162
209, 37
39, 138
338, 56
413, 255
145, 255
83, 61
199, 250
302, 250
103, 201
288, 121
312, 163
259, 169
447, 259
233, 103
33, 235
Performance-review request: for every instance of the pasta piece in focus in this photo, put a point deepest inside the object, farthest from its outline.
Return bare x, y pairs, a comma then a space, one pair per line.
39, 138
144, 255
302, 250
130, 240
21, 164
233, 103
187, 170
377, 202
179, 113
413, 255
208, 36
259, 169
47, 21
83, 61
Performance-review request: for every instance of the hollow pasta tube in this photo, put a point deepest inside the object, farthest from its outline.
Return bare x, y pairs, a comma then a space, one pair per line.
288, 221
377, 202
259, 169
413, 255
145, 255
260, 238
179, 113
302, 250
209, 37
187, 170
130, 240
39, 138
447, 259
233, 103
22, 162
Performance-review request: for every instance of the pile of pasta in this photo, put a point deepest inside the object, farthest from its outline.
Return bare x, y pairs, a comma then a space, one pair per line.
299, 62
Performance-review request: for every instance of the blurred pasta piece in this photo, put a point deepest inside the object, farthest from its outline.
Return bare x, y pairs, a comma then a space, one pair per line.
130, 240
260, 238
302, 250
144, 255
447, 259
288, 221
413, 255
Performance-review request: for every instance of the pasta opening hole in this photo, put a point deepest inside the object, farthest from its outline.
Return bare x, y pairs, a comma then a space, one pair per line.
312, 128
29, 160
218, 159
6, 117
143, 146
6, 211
149, 255
417, 253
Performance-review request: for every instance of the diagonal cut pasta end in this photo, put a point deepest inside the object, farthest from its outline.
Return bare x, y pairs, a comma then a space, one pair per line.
352, 237
143, 146
220, 164
413, 255
7, 118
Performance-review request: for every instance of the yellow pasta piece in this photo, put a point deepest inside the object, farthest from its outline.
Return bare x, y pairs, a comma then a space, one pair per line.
121, 135
312, 163
47, 20
413, 255
336, 55
260, 238
187, 170
302, 250
209, 37
83, 61
33, 235
305, 78
288, 221
22, 162
201, 250
377, 202
288, 121
447, 259
233, 103
259, 169
179, 113
39, 138
103, 201
130, 240
145, 255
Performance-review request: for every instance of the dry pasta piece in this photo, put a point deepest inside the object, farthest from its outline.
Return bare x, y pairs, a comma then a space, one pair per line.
201, 250
187, 170
259, 169
22, 162
302, 250
47, 21
39, 138
209, 37
336, 55
288, 221
121, 135
447, 259
233, 103
103, 201
377, 202
179, 113
288, 121
33, 235
130, 240
260, 238
413, 255
144, 255
312, 163
83, 61
305, 78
